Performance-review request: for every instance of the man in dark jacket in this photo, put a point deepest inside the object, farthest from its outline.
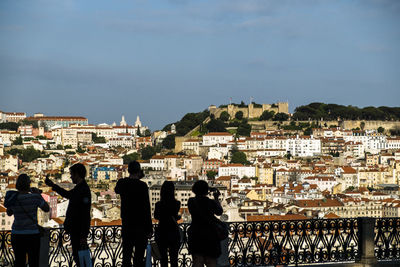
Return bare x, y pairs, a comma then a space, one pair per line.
135, 215
77, 219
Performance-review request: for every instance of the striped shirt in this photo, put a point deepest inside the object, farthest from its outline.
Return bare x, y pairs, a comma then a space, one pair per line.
25, 213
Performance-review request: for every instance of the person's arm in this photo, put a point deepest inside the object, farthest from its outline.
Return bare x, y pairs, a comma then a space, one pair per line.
43, 205
62, 192
117, 188
148, 210
10, 212
157, 211
217, 208
85, 206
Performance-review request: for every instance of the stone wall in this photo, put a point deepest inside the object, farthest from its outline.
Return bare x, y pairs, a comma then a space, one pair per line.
368, 125
251, 111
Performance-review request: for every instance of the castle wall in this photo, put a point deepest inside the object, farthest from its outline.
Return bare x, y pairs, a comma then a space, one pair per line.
250, 111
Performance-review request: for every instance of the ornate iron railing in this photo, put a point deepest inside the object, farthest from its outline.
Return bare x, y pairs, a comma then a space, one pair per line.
250, 243
387, 238
294, 242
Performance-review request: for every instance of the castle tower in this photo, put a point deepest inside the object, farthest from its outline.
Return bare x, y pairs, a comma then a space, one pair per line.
138, 123
123, 122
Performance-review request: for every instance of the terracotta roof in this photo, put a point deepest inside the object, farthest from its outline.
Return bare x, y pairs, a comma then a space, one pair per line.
218, 134
318, 203
331, 215
253, 218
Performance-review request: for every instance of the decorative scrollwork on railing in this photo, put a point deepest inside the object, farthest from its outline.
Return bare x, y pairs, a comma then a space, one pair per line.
293, 242
6, 252
249, 243
387, 238
105, 243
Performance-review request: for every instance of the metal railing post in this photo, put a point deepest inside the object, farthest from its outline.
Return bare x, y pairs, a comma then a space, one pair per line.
366, 242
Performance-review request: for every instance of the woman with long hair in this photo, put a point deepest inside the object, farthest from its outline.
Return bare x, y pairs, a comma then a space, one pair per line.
25, 236
167, 234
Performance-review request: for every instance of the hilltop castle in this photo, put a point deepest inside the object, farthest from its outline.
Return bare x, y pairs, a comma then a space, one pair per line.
250, 111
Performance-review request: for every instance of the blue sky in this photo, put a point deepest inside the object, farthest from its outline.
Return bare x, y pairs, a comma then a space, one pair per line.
161, 59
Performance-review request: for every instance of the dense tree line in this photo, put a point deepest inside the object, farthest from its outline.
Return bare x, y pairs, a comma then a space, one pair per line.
316, 111
13, 126
188, 122
27, 155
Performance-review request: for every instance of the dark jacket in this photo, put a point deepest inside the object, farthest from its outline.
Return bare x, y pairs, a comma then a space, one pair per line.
167, 214
135, 205
202, 235
77, 220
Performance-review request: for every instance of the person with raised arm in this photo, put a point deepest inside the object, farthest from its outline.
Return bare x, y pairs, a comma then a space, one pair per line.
77, 219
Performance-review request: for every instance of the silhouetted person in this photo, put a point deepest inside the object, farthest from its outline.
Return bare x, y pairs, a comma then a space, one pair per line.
25, 237
135, 215
203, 242
167, 234
77, 219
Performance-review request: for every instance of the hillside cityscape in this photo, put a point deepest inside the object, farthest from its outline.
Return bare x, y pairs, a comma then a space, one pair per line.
321, 161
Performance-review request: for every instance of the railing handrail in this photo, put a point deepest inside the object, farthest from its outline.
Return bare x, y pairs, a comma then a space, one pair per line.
271, 242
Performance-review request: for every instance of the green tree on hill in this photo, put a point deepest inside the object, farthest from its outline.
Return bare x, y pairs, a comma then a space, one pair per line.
130, 157
147, 152
98, 139
281, 117
17, 141
11, 126
169, 142
216, 126
239, 115
224, 116
211, 175
267, 115
239, 157
244, 129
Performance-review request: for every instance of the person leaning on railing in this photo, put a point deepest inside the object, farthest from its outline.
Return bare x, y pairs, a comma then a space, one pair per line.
25, 236
203, 242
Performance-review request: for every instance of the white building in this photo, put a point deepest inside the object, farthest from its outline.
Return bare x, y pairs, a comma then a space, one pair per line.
9, 162
158, 163
303, 146
218, 152
212, 139
238, 170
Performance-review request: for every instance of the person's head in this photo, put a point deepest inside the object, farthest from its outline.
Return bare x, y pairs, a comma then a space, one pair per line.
135, 169
200, 188
78, 172
167, 191
23, 182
